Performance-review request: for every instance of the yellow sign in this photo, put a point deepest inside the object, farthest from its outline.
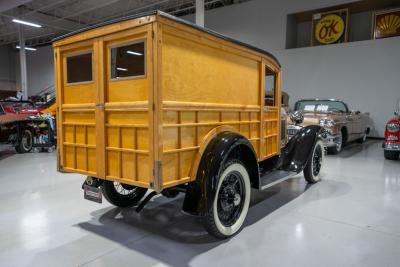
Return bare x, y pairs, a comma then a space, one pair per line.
329, 29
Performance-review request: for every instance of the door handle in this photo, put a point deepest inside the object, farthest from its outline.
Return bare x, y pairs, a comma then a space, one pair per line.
100, 105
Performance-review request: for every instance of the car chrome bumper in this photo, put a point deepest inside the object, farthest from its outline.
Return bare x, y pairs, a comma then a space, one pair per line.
329, 140
391, 146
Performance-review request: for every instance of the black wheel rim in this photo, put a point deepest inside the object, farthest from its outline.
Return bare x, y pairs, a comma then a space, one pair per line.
125, 189
317, 160
230, 199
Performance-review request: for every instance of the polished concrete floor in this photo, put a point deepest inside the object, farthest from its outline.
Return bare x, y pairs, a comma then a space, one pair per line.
351, 218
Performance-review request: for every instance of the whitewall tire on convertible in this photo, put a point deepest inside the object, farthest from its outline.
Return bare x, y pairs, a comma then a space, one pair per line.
231, 202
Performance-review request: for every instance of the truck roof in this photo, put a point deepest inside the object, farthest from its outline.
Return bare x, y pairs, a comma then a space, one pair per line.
176, 19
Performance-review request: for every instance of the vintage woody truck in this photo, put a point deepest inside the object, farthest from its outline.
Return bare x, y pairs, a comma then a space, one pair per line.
153, 102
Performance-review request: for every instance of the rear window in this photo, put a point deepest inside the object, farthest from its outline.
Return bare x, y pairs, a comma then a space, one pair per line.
128, 61
79, 68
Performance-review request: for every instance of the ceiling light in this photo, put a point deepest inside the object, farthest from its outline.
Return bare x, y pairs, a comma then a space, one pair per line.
26, 48
122, 69
27, 23
134, 53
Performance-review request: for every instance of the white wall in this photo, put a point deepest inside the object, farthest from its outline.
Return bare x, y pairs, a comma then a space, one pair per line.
365, 74
7, 68
40, 70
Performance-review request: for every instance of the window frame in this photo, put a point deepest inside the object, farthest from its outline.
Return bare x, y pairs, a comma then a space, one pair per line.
73, 54
137, 77
277, 102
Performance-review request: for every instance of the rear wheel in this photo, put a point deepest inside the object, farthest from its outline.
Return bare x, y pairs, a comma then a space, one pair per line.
312, 171
391, 155
231, 202
25, 145
122, 195
363, 138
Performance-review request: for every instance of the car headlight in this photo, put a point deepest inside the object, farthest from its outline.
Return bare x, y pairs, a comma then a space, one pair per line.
393, 127
327, 122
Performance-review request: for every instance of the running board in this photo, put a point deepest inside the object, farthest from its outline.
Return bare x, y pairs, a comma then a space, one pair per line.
274, 177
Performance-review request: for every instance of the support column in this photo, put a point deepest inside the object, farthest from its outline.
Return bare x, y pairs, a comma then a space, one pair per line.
22, 60
200, 12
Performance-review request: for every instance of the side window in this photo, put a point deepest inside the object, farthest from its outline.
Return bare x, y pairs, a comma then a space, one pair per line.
128, 61
270, 87
1, 110
79, 68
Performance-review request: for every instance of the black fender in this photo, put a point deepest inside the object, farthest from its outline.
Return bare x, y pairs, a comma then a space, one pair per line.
226, 145
295, 155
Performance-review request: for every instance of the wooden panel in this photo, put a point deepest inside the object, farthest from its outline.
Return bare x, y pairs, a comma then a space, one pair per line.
184, 130
225, 77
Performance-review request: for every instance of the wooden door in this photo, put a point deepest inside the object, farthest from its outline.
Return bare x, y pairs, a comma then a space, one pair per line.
76, 98
127, 117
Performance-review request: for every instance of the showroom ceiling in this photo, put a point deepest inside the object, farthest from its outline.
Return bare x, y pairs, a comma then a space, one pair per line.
58, 17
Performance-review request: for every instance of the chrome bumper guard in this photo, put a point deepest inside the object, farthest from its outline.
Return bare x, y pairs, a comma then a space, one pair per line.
391, 146
328, 139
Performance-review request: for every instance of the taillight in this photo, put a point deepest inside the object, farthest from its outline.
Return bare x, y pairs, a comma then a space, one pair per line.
393, 127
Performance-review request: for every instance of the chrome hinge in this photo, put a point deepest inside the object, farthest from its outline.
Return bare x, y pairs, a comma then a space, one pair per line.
100, 105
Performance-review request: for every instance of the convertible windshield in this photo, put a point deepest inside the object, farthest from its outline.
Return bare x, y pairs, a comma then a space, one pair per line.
320, 106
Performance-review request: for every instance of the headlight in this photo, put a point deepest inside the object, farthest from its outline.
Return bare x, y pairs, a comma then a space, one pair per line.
327, 122
392, 127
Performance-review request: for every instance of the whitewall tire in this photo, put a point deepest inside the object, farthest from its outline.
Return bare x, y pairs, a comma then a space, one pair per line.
312, 170
231, 202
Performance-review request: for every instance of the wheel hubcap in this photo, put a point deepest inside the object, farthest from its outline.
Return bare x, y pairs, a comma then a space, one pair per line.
125, 189
230, 196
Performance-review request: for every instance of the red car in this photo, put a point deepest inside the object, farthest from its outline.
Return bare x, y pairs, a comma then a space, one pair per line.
391, 144
14, 126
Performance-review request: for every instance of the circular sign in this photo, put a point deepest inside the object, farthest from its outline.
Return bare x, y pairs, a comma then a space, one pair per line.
329, 29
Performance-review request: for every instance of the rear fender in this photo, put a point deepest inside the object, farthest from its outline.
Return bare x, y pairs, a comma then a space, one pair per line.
298, 150
226, 145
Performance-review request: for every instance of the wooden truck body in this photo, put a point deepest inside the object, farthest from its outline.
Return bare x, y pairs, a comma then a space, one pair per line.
139, 101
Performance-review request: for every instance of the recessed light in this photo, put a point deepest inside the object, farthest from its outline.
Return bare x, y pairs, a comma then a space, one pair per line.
26, 48
134, 53
27, 23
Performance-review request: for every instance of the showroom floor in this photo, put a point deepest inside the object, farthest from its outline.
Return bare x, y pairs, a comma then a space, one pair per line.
351, 218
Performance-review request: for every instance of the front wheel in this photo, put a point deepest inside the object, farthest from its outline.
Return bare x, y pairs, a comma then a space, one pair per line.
338, 144
231, 201
312, 170
122, 195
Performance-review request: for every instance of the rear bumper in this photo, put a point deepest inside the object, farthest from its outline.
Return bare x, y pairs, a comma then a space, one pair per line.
391, 146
